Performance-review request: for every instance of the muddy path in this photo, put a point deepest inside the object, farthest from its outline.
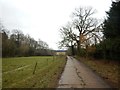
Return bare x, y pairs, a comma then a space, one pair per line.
78, 75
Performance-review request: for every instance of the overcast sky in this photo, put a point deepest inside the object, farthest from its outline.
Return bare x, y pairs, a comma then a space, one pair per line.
43, 18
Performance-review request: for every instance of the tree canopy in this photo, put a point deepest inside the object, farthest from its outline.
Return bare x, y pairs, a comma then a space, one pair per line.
109, 48
111, 32
83, 31
112, 23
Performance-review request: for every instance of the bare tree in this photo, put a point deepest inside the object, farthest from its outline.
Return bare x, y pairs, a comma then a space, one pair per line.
83, 29
87, 26
67, 36
18, 36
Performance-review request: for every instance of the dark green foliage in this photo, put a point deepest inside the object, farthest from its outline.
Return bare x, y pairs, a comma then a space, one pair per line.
82, 52
111, 44
112, 23
109, 48
99, 52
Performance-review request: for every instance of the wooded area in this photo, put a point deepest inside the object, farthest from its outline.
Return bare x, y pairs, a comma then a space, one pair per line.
18, 44
86, 36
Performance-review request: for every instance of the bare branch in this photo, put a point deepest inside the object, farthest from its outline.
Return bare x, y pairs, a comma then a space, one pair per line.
85, 24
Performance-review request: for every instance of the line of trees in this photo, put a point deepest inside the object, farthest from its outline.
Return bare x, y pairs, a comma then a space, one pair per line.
87, 36
110, 46
18, 44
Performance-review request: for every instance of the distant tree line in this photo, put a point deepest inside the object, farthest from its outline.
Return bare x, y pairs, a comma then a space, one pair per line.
86, 36
18, 44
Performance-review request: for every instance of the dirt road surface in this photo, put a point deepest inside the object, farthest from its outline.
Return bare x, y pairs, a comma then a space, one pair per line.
77, 75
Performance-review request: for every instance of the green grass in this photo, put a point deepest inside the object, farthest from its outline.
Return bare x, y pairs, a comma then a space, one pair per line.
18, 72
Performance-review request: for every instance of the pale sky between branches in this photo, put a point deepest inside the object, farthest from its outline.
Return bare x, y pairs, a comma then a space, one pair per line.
43, 18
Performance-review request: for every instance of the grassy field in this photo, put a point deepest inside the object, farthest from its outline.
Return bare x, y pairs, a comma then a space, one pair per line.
108, 70
18, 72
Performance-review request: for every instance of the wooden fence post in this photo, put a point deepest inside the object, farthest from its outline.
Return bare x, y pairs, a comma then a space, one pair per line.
35, 68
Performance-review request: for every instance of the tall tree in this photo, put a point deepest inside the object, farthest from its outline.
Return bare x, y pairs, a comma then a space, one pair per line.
83, 29
112, 23
112, 32
87, 26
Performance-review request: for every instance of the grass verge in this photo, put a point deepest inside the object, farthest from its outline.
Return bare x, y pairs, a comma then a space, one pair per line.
108, 70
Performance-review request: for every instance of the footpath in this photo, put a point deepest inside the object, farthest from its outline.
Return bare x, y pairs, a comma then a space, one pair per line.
78, 75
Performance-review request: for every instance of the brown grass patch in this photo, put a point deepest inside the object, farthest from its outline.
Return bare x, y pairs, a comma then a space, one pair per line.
107, 69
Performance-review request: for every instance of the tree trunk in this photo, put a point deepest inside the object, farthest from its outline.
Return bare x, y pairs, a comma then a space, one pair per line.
78, 47
73, 53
